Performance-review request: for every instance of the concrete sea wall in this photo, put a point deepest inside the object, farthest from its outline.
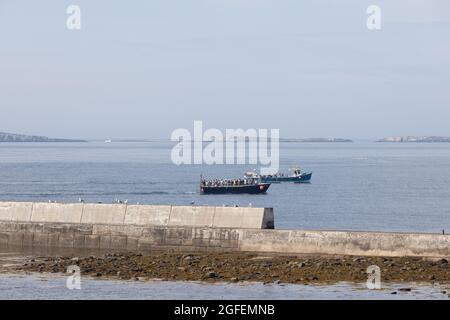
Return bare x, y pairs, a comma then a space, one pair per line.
141, 228
143, 215
346, 243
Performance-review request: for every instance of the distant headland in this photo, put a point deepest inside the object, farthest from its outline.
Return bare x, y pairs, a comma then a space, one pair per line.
414, 139
12, 137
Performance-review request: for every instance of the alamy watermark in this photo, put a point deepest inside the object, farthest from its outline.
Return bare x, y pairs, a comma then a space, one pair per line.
235, 146
73, 282
373, 277
73, 21
374, 19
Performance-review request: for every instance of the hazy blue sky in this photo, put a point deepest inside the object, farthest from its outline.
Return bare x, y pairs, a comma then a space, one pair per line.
140, 69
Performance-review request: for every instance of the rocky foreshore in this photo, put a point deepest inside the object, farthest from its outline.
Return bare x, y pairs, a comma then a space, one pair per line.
237, 267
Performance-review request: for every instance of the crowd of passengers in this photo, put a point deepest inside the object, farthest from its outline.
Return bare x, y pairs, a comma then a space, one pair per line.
276, 175
228, 182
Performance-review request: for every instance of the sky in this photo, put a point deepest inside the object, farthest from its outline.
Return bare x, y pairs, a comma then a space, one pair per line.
143, 68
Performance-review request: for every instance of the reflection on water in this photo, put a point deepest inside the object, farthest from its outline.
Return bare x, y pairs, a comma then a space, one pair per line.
50, 286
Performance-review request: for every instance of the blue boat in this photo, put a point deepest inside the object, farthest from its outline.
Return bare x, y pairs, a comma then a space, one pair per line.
297, 177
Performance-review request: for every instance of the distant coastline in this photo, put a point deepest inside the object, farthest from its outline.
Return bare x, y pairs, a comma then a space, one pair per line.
338, 140
414, 139
13, 137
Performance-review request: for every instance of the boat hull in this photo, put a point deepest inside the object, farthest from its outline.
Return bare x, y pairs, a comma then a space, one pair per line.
248, 189
303, 178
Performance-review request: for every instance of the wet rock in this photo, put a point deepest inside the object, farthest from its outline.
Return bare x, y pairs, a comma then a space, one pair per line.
210, 275
394, 292
213, 266
404, 289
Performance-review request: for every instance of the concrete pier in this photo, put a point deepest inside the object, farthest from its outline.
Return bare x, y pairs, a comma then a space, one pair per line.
193, 228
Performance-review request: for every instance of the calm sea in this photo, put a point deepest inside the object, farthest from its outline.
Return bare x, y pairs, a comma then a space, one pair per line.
45, 286
355, 186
